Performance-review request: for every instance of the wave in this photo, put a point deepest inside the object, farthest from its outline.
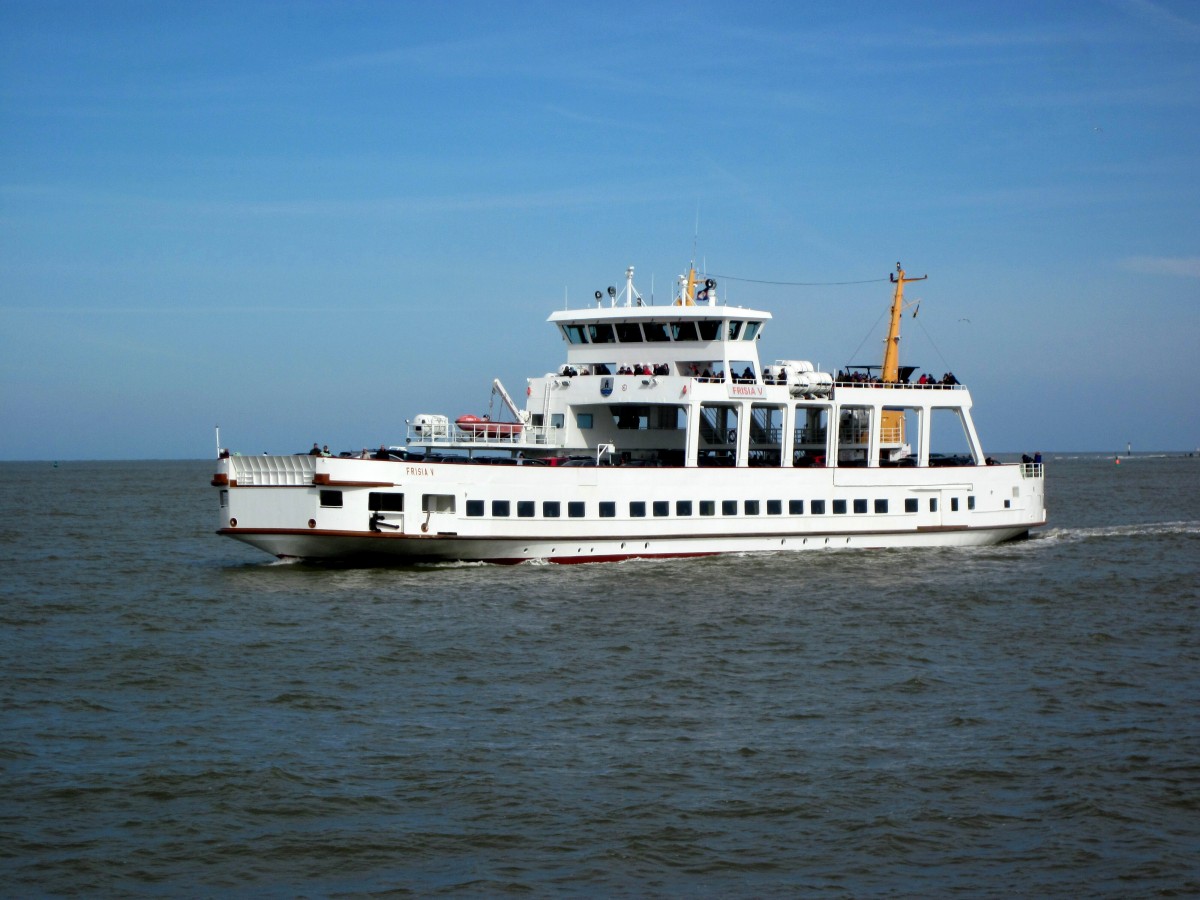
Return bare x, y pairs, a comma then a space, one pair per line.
1144, 529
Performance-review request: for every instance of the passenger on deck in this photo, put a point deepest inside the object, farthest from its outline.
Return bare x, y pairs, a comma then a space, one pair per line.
325, 451
382, 453
748, 375
315, 451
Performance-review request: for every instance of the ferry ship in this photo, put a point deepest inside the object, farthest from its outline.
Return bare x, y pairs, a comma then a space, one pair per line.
660, 434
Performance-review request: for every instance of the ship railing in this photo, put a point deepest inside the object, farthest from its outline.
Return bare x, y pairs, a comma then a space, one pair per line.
895, 385
1032, 470
527, 436
272, 471
854, 435
810, 435
892, 435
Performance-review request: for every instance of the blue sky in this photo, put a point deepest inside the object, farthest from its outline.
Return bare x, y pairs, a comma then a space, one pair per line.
309, 221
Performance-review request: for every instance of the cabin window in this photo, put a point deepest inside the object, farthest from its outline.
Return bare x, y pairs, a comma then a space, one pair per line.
1008, 504
331, 498
729, 507
629, 333
684, 331
839, 507
574, 334
378, 501
860, 506
708, 508
576, 509
637, 509
881, 506
818, 507
933, 504
474, 507
774, 507
953, 504
437, 503
655, 331
225, 499
583, 420
910, 504
608, 509
750, 507
683, 507
525, 509
710, 329
735, 328
662, 507
795, 507
751, 331
558, 420
500, 508
601, 333
971, 502
551, 509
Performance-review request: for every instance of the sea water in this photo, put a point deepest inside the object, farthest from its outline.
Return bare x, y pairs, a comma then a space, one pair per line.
182, 715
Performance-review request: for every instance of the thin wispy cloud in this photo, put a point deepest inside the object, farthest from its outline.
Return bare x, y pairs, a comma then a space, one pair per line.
1179, 266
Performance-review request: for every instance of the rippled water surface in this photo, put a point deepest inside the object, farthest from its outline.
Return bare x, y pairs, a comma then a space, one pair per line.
181, 715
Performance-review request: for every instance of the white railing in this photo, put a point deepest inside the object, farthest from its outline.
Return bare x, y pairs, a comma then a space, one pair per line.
1032, 470
526, 436
273, 470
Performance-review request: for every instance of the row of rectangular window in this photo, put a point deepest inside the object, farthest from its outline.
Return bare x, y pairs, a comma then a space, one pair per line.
576, 509
638, 509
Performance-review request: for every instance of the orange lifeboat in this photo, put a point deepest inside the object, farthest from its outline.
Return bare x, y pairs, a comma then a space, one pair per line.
486, 427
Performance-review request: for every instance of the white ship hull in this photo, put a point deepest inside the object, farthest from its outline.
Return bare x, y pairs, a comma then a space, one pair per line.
646, 513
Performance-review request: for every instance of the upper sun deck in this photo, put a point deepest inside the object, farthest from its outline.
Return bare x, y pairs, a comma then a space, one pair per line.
626, 319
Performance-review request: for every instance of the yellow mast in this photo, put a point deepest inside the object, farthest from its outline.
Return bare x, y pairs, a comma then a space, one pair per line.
687, 296
892, 421
891, 352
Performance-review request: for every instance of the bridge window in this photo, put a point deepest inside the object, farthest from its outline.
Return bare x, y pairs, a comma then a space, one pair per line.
655, 331
601, 333
751, 331
684, 331
574, 334
735, 328
710, 329
629, 333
